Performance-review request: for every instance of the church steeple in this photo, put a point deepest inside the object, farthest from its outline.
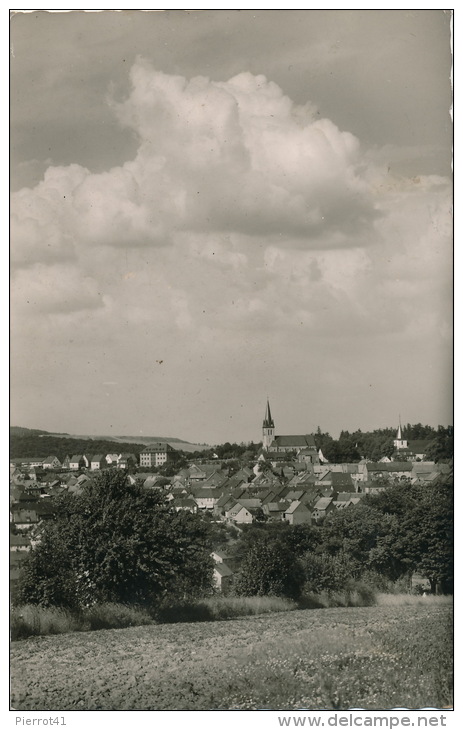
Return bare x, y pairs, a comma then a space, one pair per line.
268, 428
399, 441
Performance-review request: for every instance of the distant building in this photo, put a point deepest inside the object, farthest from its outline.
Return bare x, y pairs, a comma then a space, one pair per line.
299, 444
156, 454
98, 461
416, 450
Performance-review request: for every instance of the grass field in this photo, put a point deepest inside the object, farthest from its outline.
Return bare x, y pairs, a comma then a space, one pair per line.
336, 658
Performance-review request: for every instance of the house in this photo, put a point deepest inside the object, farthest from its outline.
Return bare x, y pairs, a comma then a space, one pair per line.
51, 462
112, 459
97, 462
425, 472
157, 481
127, 461
32, 462
184, 503
240, 515
77, 461
275, 511
20, 543
156, 454
243, 511
24, 515
298, 514
321, 508
207, 472
394, 470
196, 473
207, 498
222, 577
338, 481
215, 480
225, 502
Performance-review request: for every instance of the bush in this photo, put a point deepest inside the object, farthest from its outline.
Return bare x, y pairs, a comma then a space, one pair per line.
269, 569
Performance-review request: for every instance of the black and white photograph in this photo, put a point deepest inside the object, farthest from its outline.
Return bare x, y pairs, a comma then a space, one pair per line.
231, 396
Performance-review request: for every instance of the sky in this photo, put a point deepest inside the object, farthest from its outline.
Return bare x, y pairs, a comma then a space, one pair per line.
214, 207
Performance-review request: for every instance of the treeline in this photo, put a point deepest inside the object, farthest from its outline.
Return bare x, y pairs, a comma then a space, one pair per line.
373, 445
35, 444
350, 447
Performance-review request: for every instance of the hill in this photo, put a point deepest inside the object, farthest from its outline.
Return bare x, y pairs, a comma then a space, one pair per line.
28, 442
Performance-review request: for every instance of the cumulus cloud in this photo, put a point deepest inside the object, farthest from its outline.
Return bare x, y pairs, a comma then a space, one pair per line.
235, 156
243, 224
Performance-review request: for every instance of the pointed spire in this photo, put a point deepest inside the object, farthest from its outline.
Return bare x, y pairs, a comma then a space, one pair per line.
399, 431
268, 420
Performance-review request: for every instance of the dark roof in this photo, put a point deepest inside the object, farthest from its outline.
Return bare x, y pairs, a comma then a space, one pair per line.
155, 449
323, 503
206, 493
223, 500
294, 441
391, 466
184, 502
295, 505
223, 570
339, 479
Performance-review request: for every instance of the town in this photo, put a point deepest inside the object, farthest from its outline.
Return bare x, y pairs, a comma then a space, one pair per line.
285, 479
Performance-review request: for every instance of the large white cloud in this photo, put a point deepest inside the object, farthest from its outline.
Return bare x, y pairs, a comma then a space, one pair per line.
244, 224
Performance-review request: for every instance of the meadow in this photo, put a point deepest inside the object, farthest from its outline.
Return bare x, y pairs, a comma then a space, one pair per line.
394, 655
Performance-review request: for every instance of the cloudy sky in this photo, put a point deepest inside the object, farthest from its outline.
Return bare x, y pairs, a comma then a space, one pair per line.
214, 207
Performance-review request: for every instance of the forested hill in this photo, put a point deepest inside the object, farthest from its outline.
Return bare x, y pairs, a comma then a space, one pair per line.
32, 443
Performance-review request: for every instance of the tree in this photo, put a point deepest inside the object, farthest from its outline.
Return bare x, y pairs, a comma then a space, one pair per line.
325, 572
441, 448
420, 533
353, 531
269, 569
117, 542
427, 535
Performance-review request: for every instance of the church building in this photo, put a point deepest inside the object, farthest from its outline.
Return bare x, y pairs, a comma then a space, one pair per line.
273, 444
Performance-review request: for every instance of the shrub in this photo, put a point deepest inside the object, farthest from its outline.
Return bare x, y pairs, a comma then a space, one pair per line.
269, 569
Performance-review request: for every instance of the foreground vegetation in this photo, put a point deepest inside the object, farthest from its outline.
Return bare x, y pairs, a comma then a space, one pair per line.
29, 620
119, 543
377, 657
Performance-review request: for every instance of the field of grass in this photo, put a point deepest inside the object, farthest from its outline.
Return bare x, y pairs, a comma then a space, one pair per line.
374, 658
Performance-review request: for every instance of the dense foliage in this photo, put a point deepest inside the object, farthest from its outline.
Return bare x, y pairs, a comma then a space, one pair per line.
269, 569
380, 541
120, 543
373, 445
37, 444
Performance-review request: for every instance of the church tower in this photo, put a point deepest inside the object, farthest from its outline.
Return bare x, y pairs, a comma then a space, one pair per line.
268, 428
399, 442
